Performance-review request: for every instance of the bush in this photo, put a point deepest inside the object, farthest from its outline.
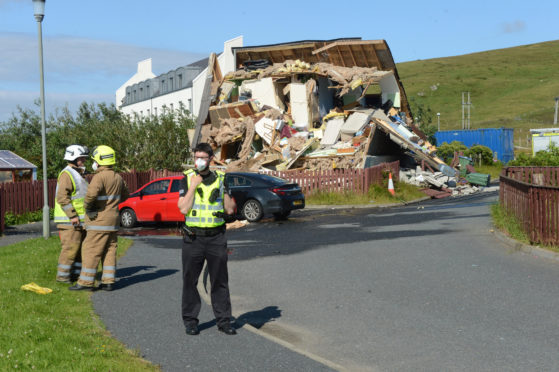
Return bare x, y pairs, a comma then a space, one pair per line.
486, 154
446, 150
547, 158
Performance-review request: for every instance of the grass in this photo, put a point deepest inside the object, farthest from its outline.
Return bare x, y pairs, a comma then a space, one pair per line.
512, 88
378, 194
58, 331
508, 223
493, 170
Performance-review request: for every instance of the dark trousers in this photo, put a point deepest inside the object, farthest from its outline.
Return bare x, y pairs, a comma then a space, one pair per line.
213, 249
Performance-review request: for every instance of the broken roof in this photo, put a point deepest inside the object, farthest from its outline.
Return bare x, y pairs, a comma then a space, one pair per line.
346, 52
9, 161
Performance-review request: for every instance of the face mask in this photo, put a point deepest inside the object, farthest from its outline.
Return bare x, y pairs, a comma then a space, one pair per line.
201, 164
82, 168
94, 166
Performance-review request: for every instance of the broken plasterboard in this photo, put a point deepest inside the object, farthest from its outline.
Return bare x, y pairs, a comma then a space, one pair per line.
264, 91
357, 121
332, 132
265, 129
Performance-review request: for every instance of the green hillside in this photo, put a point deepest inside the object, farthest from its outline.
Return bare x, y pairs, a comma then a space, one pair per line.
513, 87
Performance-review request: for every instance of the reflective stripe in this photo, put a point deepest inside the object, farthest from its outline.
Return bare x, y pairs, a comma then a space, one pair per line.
67, 267
77, 264
86, 278
215, 220
195, 219
90, 271
108, 275
68, 206
109, 197
109, 268
62, 273
214, 207
61, 219
76, 271
102, 228
199, 207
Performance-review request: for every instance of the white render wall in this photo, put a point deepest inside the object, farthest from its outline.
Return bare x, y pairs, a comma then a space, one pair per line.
144, 72
154, 106
190, 97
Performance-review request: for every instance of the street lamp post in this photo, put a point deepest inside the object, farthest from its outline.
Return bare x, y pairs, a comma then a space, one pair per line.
438, 121
39, 11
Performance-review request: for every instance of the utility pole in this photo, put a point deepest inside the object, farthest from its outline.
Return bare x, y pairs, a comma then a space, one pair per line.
556, 106
466, 109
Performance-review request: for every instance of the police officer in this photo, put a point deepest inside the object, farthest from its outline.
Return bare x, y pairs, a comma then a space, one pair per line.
69, 212
202, 198
106, 190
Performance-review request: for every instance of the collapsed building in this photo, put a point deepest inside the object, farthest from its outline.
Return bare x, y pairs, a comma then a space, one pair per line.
316, 105
311, 105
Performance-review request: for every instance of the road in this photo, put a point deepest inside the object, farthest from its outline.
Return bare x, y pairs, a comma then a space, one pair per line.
417, 288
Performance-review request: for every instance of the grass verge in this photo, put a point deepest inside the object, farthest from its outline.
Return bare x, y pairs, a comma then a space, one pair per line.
58, 331
377, 194
508, 223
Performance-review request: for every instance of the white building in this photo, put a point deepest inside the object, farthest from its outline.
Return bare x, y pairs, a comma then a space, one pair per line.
147, 94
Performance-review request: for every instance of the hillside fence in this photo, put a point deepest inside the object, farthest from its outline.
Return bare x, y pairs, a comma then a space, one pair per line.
22, 197
531, 194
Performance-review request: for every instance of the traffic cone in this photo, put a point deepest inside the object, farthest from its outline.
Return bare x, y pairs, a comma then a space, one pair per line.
390, 184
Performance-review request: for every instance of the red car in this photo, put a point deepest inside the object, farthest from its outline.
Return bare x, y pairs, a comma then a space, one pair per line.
155, 201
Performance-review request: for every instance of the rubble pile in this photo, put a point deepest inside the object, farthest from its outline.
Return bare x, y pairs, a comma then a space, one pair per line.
298, 115
318, 105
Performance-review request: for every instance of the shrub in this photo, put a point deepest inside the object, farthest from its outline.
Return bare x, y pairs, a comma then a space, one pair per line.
486, 154
446, 150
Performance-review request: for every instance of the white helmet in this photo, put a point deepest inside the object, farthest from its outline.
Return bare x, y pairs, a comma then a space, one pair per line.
75, 151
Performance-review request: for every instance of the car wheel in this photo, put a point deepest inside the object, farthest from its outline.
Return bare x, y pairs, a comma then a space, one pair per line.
127, 218
282, 215
252, 210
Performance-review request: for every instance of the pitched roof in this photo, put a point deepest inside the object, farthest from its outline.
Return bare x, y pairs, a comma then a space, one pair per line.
9, 160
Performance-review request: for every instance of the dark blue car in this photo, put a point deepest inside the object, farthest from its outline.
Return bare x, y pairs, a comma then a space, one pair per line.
258, 195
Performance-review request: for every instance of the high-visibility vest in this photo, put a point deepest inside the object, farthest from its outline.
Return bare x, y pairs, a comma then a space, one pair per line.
78, 195
202, 212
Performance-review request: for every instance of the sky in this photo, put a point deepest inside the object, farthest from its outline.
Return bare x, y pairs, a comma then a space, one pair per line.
91, 48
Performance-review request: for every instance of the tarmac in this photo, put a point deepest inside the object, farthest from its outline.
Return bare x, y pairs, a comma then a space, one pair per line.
136, 288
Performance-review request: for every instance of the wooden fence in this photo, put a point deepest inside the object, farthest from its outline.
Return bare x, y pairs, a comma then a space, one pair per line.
21, 197
532, 195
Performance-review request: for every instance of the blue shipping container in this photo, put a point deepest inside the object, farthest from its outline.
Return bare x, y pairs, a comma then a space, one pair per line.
499, 140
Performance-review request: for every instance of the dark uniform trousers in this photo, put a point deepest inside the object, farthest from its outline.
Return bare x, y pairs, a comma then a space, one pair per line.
213, 249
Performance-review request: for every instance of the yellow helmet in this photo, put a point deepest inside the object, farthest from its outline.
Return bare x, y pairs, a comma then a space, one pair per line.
103, 155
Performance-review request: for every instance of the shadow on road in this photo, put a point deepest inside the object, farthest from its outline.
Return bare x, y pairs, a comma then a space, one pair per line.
258, 318
128, 275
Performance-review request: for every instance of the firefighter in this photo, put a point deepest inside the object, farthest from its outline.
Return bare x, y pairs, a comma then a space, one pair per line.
106, 190
202, 198
69, 213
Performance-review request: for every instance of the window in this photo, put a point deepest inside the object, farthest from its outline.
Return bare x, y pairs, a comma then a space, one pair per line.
190, 105
134, 95
147, 91
159, 187
180, 81
128, 97
141, 93
171, 106
163, 90
155, 111
170, 84
238, 181
141, 113
148, 111
175, 186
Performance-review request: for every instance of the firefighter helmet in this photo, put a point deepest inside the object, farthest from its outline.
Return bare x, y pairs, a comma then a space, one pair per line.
104, 155
75, 151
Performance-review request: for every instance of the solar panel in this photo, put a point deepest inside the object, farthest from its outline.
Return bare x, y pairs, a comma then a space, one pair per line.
9, 160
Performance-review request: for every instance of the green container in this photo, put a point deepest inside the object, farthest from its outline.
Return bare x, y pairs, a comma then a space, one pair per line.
480, 179
464, 161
